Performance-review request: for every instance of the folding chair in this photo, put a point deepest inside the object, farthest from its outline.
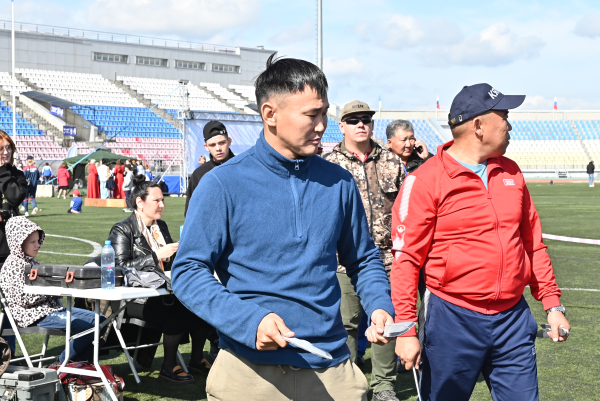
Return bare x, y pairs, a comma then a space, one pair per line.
17, 331
120, 320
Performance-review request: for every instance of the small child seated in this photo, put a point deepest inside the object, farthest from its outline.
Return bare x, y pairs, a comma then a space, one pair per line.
76, 203
24, 240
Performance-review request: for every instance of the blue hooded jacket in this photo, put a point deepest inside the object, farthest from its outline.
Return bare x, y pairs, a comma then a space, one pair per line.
32, 174
270, 227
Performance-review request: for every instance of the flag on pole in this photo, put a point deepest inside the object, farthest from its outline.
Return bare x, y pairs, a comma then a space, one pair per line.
437, 106
555, 104
380, 103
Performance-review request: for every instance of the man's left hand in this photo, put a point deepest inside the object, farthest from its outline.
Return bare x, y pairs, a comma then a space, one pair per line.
379, 319
556, 319
424, 153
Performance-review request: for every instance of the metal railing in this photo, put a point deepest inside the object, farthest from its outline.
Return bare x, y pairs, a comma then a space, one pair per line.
116, 37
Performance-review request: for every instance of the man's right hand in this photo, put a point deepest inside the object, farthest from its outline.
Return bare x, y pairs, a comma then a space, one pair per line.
270, 330
408, 350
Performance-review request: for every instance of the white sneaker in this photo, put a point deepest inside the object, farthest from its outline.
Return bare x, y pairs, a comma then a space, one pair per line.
26, 214
64, 197
34, 211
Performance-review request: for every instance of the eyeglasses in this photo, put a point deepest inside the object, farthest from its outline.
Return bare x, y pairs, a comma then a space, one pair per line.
355, 120
6, 149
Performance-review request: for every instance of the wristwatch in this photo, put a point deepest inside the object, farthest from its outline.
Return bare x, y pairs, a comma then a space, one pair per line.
557, 309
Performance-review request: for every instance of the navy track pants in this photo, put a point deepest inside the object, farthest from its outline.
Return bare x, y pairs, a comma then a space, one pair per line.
460, 343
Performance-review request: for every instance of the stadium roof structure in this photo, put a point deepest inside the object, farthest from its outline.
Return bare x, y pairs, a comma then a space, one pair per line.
56, 101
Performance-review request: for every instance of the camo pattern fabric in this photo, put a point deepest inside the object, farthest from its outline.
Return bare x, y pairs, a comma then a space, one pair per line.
378, 180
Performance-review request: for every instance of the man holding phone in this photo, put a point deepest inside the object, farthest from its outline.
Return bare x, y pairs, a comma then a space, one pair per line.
378, 175
402, 142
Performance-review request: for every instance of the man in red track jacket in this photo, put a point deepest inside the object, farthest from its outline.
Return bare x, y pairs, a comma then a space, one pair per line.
467, 220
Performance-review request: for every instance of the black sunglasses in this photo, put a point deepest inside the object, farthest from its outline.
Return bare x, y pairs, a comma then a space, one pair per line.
355, 120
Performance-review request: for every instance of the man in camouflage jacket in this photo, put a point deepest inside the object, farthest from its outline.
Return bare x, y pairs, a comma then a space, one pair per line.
378, 174
378, 180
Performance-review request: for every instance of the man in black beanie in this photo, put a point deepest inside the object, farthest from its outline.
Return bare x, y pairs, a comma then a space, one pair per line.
217, 142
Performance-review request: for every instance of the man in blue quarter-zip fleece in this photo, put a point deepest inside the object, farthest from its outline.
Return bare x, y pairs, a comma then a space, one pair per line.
277, 216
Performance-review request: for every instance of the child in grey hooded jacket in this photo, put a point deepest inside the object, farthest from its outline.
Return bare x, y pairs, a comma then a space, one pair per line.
24, 240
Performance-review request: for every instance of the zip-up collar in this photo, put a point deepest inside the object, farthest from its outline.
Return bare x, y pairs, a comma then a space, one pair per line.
454, 168
276, 162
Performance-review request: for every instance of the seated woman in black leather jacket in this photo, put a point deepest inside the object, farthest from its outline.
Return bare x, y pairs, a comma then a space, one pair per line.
142, 241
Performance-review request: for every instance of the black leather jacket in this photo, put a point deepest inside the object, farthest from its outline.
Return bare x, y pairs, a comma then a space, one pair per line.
13, 188
131, 248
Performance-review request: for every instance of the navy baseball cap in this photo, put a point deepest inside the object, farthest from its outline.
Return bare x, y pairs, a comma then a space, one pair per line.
474, 100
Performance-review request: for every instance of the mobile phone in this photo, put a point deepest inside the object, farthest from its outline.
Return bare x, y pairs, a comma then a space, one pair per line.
419, 149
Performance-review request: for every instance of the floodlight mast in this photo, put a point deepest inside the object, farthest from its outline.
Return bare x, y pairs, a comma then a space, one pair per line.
320, 34
14, 78
184, 114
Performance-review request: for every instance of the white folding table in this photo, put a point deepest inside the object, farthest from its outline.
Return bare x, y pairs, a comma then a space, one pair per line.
98, 294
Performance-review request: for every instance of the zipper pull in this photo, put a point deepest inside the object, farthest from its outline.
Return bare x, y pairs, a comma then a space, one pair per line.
297, 167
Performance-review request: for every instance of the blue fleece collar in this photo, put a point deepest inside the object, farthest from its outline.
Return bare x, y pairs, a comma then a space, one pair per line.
276, 162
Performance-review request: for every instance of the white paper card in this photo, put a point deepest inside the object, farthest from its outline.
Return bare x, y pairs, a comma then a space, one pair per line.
398, 329
305, 345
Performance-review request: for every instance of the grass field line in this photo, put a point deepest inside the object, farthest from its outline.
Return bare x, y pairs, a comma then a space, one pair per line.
576, 289
97, 247
565, 196
571, 239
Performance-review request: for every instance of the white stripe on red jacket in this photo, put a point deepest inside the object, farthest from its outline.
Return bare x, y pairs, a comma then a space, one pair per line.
478, 247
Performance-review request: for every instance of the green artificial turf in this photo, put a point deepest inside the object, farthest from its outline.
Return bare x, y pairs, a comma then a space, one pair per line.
568, 371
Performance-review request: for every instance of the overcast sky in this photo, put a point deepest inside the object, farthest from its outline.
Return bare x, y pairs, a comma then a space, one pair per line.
407, 52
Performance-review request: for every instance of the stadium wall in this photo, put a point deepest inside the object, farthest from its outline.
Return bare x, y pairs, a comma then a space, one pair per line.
76, 54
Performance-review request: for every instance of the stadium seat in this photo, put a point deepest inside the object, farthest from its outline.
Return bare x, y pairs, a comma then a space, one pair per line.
199, 99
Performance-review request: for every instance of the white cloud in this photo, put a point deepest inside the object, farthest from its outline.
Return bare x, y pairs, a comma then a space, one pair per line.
404, 31
440, 41
537, 102
335, 66
494, 46
401, 31
200, 18
294, 34
588, 26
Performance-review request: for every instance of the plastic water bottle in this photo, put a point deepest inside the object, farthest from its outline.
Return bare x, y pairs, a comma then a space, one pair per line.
108, 267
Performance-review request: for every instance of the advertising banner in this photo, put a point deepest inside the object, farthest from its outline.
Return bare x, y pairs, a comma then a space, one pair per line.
69, 131
57, 111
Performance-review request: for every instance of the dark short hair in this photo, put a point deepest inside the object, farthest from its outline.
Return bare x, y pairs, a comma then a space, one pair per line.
288, 76
392, 127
